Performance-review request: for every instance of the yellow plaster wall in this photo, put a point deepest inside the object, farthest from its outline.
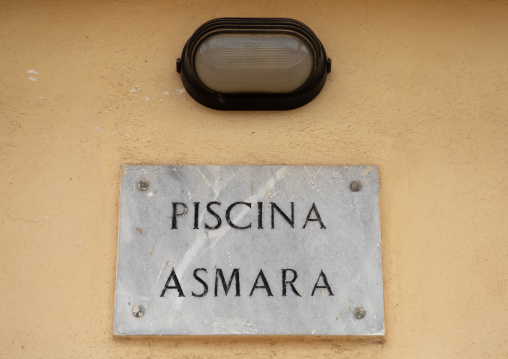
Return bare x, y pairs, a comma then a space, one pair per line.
418, 88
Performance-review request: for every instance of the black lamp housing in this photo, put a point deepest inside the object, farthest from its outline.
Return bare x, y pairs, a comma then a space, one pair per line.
254, 100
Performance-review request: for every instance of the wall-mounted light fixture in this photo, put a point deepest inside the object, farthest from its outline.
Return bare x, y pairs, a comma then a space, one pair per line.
253, 64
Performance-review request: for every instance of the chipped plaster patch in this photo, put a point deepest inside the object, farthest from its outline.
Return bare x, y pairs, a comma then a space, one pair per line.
33, 72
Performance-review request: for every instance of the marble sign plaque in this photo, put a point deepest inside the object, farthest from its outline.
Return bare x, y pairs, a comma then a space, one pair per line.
249, 250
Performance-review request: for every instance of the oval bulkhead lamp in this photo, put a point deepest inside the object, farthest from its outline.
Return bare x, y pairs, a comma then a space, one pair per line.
253, 64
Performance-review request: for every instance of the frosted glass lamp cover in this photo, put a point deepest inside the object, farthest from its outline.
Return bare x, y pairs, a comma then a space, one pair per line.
271, 63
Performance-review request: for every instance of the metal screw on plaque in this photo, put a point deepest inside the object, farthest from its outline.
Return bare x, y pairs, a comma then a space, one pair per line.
143, 185
359, 312
355, 186
138, 311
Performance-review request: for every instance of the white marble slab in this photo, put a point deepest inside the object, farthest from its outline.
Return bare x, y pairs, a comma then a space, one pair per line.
316, 271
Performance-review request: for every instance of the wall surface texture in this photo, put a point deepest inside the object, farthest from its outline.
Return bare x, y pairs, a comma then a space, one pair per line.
419, 88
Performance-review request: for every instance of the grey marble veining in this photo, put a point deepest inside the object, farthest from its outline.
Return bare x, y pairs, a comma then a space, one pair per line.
170, 248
